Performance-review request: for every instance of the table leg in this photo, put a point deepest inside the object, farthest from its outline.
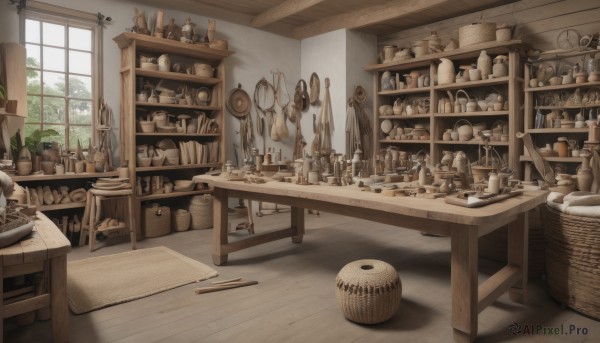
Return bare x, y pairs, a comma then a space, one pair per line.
220, 197
518, 244
58, 299
464, 283
297, 224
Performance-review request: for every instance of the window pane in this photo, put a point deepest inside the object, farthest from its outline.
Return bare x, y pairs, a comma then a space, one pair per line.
80, 62
34, 108
32, 31
80, 39
29, 128
53, 34
60, 139
80, 87
54, 83
83, 133
80, 112
54, 110
33, 56
54, 59
34, 85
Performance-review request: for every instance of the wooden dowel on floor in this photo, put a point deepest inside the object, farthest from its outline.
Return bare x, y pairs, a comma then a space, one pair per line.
219, 287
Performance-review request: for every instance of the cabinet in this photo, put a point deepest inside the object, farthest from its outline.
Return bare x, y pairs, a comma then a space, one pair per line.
430, 111
133, 77
573, 104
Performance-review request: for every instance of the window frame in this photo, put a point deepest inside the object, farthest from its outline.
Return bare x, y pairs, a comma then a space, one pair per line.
76, 19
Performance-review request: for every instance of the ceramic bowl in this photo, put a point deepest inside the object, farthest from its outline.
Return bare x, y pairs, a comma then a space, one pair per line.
149, 66
144, 161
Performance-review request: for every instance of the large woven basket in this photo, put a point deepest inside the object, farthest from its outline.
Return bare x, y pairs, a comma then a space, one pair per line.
201, 209
573, 260
476, 33
368, 291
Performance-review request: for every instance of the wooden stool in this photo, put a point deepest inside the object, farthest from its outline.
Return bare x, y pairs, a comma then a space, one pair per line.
92, 214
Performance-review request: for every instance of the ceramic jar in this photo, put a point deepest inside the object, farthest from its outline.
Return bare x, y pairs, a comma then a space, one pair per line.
447, 136
484, 63
584, 174
445, 72
386, 81
164, 62
494, 183
387, 55
562, 147
500, 69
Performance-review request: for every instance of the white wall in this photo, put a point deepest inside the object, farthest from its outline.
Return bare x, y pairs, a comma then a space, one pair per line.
339, 55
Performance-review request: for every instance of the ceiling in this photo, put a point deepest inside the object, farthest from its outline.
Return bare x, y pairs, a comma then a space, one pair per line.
306, 18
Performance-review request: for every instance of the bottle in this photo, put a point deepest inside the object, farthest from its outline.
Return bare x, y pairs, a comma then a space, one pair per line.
494, 183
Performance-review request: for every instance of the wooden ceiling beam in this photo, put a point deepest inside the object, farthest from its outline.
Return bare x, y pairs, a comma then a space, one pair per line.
283, 10
365, 17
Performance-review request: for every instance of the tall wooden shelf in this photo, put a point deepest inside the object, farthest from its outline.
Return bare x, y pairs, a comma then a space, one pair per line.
542, 136
511, 86
131, 45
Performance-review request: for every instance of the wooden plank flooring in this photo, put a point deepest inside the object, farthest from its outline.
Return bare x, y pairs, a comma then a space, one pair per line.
295, 298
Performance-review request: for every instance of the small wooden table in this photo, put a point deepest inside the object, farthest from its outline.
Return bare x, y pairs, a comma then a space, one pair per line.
45, 247
463, 225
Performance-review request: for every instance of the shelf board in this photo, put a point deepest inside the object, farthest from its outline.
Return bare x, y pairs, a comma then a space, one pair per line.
159, 134
471, 142
171, 195
186, 166
471, 84
471, 51
177, 76
42, 177
57, 207
423, 90
566, 107
559, 87
403, 141
472, 114
525, 158
583, 130
151, 104
160, 45
402, 117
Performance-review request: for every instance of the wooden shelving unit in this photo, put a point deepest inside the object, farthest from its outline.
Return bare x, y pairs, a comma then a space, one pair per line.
510, 86
131, 45
544, 135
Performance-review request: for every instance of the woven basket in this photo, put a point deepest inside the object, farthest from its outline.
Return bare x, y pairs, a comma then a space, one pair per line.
201, 209
157, 220
368, 291
181, 220
476, 33
572, 260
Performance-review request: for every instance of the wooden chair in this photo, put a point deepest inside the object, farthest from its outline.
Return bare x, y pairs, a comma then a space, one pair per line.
93, 214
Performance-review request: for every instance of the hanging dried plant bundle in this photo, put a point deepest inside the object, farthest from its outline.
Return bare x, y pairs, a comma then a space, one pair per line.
315, 89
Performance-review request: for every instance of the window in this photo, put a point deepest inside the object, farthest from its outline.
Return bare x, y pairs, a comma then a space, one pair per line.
62, 75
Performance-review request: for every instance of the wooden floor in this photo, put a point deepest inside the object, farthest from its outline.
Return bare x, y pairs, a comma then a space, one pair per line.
295, 298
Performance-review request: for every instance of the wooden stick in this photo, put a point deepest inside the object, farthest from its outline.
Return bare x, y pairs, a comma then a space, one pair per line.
203, 290
226, 281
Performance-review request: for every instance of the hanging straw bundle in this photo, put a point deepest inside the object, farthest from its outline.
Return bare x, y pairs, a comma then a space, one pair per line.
325, 126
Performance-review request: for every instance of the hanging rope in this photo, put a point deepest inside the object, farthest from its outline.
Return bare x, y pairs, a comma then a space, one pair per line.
264, 103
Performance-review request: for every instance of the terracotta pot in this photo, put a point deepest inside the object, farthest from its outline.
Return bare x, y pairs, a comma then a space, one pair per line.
23, 167
48, 167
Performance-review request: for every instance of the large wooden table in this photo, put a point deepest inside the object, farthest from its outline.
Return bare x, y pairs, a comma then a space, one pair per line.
463, 225
45, 248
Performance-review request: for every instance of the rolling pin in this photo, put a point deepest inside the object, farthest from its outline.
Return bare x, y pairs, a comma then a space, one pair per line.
220, 287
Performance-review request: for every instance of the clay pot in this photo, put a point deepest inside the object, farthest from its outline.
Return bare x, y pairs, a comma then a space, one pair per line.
484, 63
11, 106
445, 72
562, 147
203, 70
584, 175
48, 167
23, 167
388, 53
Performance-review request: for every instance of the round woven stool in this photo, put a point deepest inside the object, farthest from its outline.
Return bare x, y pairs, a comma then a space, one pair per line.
368, 291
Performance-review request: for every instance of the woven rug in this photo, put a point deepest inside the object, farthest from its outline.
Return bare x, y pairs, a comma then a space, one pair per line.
102, 281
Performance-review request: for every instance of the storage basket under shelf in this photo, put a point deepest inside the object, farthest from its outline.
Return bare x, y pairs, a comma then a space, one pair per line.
573, 260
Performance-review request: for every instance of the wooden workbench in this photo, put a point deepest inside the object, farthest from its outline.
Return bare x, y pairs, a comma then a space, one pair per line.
463, 225
45, 247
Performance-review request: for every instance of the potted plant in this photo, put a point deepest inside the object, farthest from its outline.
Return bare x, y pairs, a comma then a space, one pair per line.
33, 145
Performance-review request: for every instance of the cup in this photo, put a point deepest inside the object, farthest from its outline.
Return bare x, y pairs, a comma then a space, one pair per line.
168, 186
474, 74
60, 169
142, 97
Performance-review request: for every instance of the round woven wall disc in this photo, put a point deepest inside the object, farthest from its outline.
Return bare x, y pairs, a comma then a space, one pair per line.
239, 102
